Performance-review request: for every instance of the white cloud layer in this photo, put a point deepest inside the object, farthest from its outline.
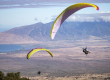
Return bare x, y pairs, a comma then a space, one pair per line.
105, 12
89, 17
42, 3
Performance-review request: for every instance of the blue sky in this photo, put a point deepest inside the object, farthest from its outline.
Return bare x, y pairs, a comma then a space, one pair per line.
25, 12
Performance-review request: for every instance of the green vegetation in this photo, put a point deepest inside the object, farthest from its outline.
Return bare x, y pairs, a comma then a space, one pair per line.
11, 76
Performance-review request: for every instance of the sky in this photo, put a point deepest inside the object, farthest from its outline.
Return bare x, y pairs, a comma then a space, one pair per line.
17, 13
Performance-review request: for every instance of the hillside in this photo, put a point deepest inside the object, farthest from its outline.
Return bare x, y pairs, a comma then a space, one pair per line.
68, 30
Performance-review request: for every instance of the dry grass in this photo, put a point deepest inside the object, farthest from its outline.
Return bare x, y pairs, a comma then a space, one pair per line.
68, 63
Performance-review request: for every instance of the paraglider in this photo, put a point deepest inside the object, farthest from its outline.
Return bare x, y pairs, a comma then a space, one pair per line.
66, 13
85, 51
37, 49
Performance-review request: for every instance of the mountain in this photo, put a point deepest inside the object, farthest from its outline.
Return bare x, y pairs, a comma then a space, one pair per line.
68, 30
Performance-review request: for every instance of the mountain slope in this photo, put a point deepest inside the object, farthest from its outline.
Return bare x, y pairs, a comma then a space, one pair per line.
68, 30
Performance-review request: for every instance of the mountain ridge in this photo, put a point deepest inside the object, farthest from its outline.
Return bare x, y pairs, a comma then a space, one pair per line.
68, 30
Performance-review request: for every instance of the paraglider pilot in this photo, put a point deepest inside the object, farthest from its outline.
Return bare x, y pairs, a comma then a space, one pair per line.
85, 51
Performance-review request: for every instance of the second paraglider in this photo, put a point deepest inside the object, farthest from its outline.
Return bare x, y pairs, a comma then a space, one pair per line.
37, 49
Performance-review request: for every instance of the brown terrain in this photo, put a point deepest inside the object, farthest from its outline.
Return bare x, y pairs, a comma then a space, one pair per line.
68, 63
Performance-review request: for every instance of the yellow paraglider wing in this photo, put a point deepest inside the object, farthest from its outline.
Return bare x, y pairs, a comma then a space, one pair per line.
37, 49
66, 13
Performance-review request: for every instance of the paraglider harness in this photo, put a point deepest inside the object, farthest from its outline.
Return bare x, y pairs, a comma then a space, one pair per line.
85, 51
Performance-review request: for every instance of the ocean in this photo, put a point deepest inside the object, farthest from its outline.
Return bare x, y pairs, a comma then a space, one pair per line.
9, 47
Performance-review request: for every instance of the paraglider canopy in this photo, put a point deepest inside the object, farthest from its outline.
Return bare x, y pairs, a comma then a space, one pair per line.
37, 49
66, 13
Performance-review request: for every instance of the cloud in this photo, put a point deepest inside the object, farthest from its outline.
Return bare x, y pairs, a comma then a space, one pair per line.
88, 17
105, 12
36, 19
105, 18
42, 3
25, 3
81, 18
